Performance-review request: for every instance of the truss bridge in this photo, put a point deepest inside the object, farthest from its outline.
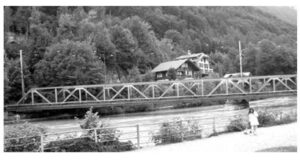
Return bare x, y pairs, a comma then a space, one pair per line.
85, 96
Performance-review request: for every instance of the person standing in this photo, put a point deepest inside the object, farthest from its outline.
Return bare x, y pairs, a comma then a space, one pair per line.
253, 120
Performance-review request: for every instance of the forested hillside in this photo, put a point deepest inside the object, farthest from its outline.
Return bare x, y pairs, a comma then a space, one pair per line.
284, 13
91, 45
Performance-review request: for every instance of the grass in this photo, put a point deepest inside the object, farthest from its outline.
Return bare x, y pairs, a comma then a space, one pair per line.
280, 149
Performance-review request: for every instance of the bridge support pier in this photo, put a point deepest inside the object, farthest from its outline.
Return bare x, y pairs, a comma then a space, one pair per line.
236, 104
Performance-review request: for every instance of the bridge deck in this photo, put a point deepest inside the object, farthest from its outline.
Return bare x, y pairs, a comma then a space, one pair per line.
68, 97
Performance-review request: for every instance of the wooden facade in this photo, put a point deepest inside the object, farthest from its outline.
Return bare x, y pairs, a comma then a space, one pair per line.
184, 69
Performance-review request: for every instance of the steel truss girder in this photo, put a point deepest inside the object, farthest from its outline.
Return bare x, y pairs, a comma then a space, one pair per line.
158, 90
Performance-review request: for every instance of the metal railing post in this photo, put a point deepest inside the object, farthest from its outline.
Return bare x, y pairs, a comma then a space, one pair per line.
42, 143
32, 97
79, 92
214, 125
226, 86
153, 93
181, 131
274, 87
55, 92
104, 93
129, 91
95, 135
138, 135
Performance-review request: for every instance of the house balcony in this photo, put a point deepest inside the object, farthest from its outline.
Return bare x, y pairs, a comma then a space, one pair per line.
206, 70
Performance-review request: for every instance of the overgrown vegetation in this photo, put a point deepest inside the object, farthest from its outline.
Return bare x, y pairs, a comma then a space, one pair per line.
23, 137
177, 131
238, 124
27, 138
264, 118
87, 145
276, 118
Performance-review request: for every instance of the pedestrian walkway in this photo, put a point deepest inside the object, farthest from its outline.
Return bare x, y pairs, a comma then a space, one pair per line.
268, 138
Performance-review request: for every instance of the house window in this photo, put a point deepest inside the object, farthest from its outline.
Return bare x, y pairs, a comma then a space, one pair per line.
201, 65
159, 75
179, 73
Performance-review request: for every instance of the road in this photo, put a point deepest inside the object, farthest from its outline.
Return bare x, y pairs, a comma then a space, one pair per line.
269, 137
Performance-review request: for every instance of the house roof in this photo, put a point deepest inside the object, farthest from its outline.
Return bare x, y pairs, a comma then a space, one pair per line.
165, 66
192, 56
245, 74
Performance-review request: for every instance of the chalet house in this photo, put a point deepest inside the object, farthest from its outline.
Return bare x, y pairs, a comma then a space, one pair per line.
184, 69
200, 59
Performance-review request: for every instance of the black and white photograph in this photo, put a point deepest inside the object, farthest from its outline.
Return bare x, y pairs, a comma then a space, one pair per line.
149, 78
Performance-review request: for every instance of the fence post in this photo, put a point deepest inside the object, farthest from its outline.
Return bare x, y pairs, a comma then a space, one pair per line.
42, 143
214, 126
95, 134
181, 131
138, 135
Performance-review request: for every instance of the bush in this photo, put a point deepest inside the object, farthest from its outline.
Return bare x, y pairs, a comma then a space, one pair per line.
87, 145
107, 137
172, 132
238, 124
266, 119
23, 137
273, 118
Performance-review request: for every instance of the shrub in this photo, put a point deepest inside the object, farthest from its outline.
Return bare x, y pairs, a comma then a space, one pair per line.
288, 118
92, 120
238, 124
273, 118
105, 135
23, 137
172, 132
266, 119
87, 145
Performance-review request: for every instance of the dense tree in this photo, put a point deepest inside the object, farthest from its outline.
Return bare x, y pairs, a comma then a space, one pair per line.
125, 45
69, 63
172, 74
13, 80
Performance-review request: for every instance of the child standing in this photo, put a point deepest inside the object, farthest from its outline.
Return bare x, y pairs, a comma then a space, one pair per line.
252, 115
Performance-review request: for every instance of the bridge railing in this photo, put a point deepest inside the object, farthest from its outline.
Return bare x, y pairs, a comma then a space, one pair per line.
159, 90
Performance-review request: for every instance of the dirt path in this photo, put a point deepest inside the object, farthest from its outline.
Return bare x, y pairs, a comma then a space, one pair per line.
269, 137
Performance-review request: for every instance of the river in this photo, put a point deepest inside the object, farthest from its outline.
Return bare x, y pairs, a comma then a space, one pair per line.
162, 115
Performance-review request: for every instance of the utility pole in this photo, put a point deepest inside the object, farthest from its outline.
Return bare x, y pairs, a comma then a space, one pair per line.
22, 75
241, 64
105, 68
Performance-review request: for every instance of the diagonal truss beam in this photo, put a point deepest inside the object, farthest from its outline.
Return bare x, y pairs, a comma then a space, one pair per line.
264, 85
236, 86
70, 95
125, 86
35, 91
187, 89
166, 91
284, 84
89, 93
142, 94
211, 92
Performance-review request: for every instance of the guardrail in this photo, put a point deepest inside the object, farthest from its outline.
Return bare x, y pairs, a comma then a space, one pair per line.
135, 136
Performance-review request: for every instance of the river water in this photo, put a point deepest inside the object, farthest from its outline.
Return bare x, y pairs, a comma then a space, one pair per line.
160, 116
